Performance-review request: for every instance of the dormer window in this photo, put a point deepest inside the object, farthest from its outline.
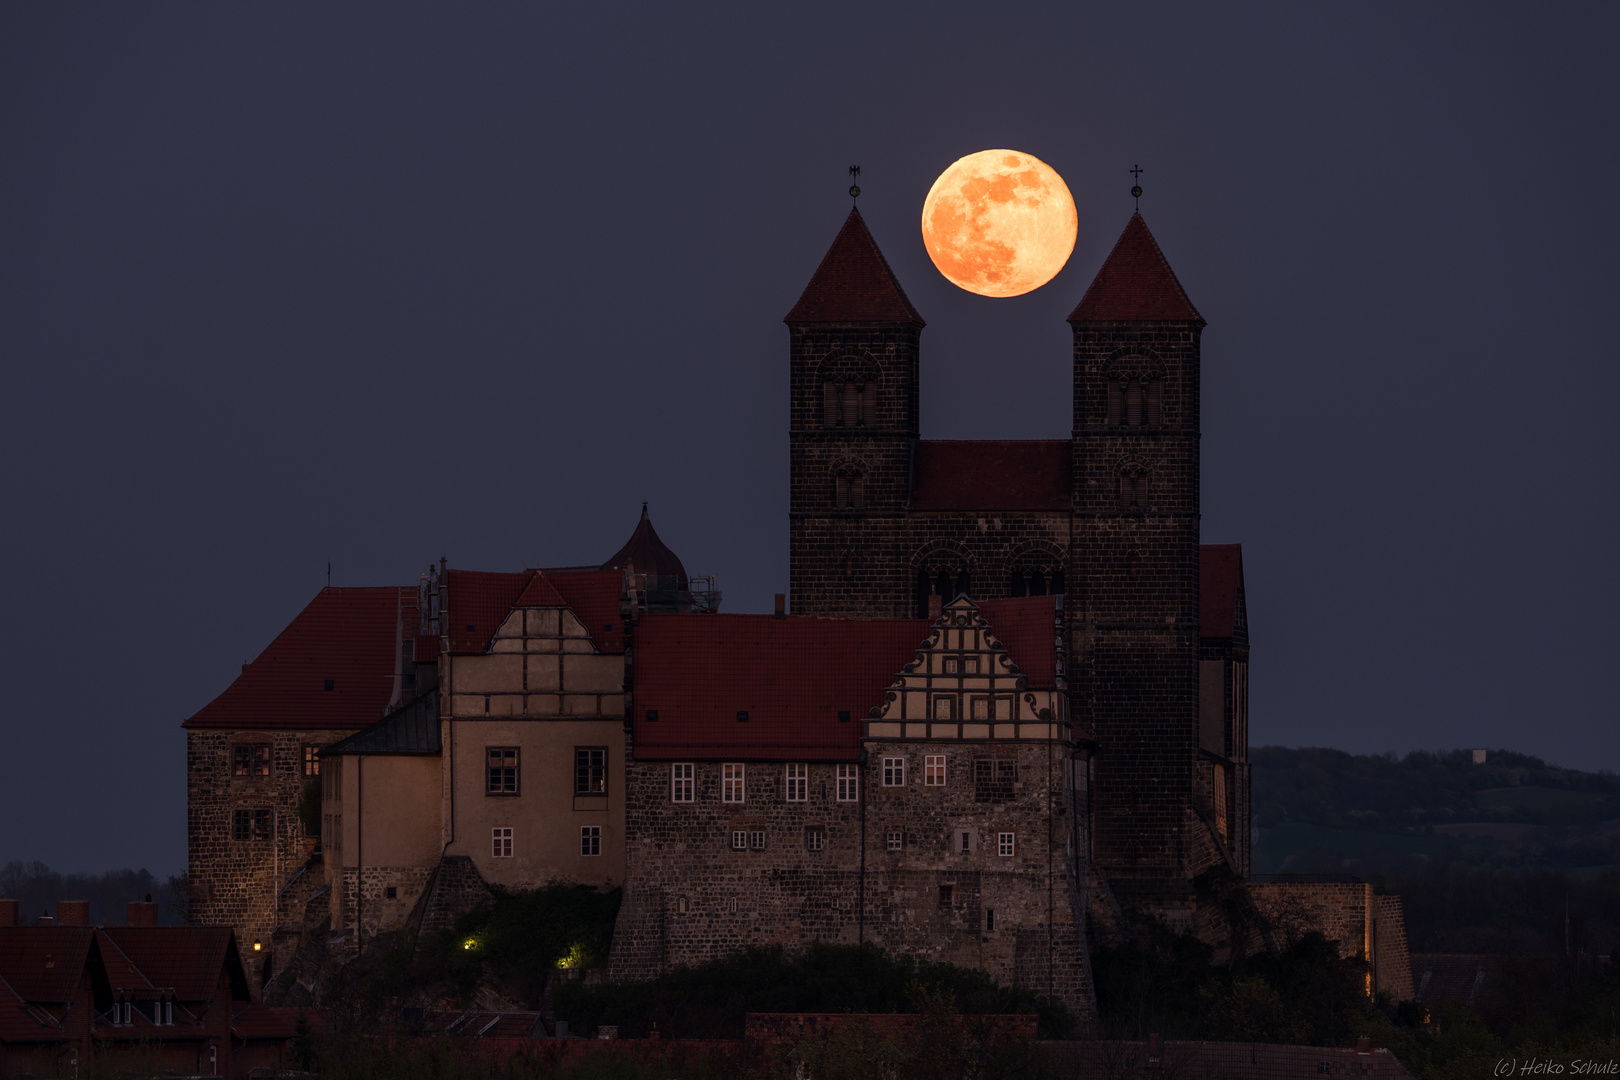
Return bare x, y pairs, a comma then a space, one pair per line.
848, 404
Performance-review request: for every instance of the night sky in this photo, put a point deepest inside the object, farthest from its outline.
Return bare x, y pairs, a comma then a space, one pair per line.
283, 285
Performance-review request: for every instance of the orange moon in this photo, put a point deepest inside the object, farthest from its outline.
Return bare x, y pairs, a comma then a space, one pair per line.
999, 223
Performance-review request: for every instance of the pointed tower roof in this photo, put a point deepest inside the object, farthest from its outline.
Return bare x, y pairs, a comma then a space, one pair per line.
1135, 284
648, 554
854, 284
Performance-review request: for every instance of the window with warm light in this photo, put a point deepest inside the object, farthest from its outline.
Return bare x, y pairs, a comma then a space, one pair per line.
934, 770
981, 708
945, 708
312, 760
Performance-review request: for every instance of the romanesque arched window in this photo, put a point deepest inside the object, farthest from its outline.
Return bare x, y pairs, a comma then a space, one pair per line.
849, 403
946, 583
849, 488
1036, 581
1133, 487
1136, 400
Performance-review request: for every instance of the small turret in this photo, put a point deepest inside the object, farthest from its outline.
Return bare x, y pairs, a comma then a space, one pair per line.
655, 579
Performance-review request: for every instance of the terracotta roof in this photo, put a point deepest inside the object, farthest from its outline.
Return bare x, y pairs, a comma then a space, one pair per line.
44, 963
122, 973
1026, 625
18, 1023
645, 553
854, 284
346, 636
539, 592
1135, 284
1028, 474
1220, 576
188, 959
477, 604
792, 676
593, 596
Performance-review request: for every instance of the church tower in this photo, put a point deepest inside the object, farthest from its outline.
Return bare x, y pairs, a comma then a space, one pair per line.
1133, 595
853, 356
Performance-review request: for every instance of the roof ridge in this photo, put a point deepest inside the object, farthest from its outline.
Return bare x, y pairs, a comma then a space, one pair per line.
1135, 283
854, 283
101, 933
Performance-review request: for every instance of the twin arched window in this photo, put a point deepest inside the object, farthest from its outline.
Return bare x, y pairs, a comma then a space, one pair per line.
849, 489
1133, 487
1036, 582
944, 583
849, 404
1136, 401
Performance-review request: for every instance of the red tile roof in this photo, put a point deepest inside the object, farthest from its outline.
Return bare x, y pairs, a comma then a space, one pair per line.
593, 596
18, 1023
792, 676
44, 963
477, 602
1028, 474
188, 959
539, 592
251, 1020
1026, 625
1135, 284
348, 636
854, 284
1220, 573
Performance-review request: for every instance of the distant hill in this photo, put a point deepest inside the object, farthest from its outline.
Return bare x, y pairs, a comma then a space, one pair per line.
1317, 808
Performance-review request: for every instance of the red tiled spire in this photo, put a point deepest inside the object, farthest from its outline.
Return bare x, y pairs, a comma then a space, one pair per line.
1135, 284
854, 284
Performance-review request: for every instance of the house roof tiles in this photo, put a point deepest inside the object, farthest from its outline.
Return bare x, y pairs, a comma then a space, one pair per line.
854, 284
345, 637
1026, 625
44, 963
1031, 474
1135, 284
188, 959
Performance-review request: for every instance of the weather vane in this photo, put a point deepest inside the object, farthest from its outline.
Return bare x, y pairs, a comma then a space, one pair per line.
854, 175
1136, 188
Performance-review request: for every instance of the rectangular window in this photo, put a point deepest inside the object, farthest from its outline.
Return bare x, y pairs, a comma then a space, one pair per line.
756, 840
250, 759
981, 708
1004, 844
945, 895
798, 783
502, 777
849, 783
312, 760
934, 770
993, 779
896, 840
894, 772
500, 843
814, 839
970, 665
950, 665
242, 825
261, 823
990, 919
590, 839
590, 770
945, 708
682, 785
739, 840
731, 783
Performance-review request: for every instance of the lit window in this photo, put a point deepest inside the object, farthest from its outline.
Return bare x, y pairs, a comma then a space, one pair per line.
739, 840
894, 772
731, 783
682, 786
590, 839
798, 783
500, 843
981, 708
896, 840
814, 838
950, 665
756, 840
971, 665
944, 708
590, 770
849, 783
1004, 844
502, 771
312, 760
934, 770
250, 759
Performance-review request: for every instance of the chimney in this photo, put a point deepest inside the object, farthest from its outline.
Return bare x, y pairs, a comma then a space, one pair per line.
10, 913
73, 913
936, 606
45, 920
140, 913
781, 605
1364, 1045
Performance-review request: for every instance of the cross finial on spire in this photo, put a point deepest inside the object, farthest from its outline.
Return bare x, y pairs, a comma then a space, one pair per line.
854, 175
1136, 188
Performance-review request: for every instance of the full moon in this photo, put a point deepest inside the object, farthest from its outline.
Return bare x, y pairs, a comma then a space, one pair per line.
999, 223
